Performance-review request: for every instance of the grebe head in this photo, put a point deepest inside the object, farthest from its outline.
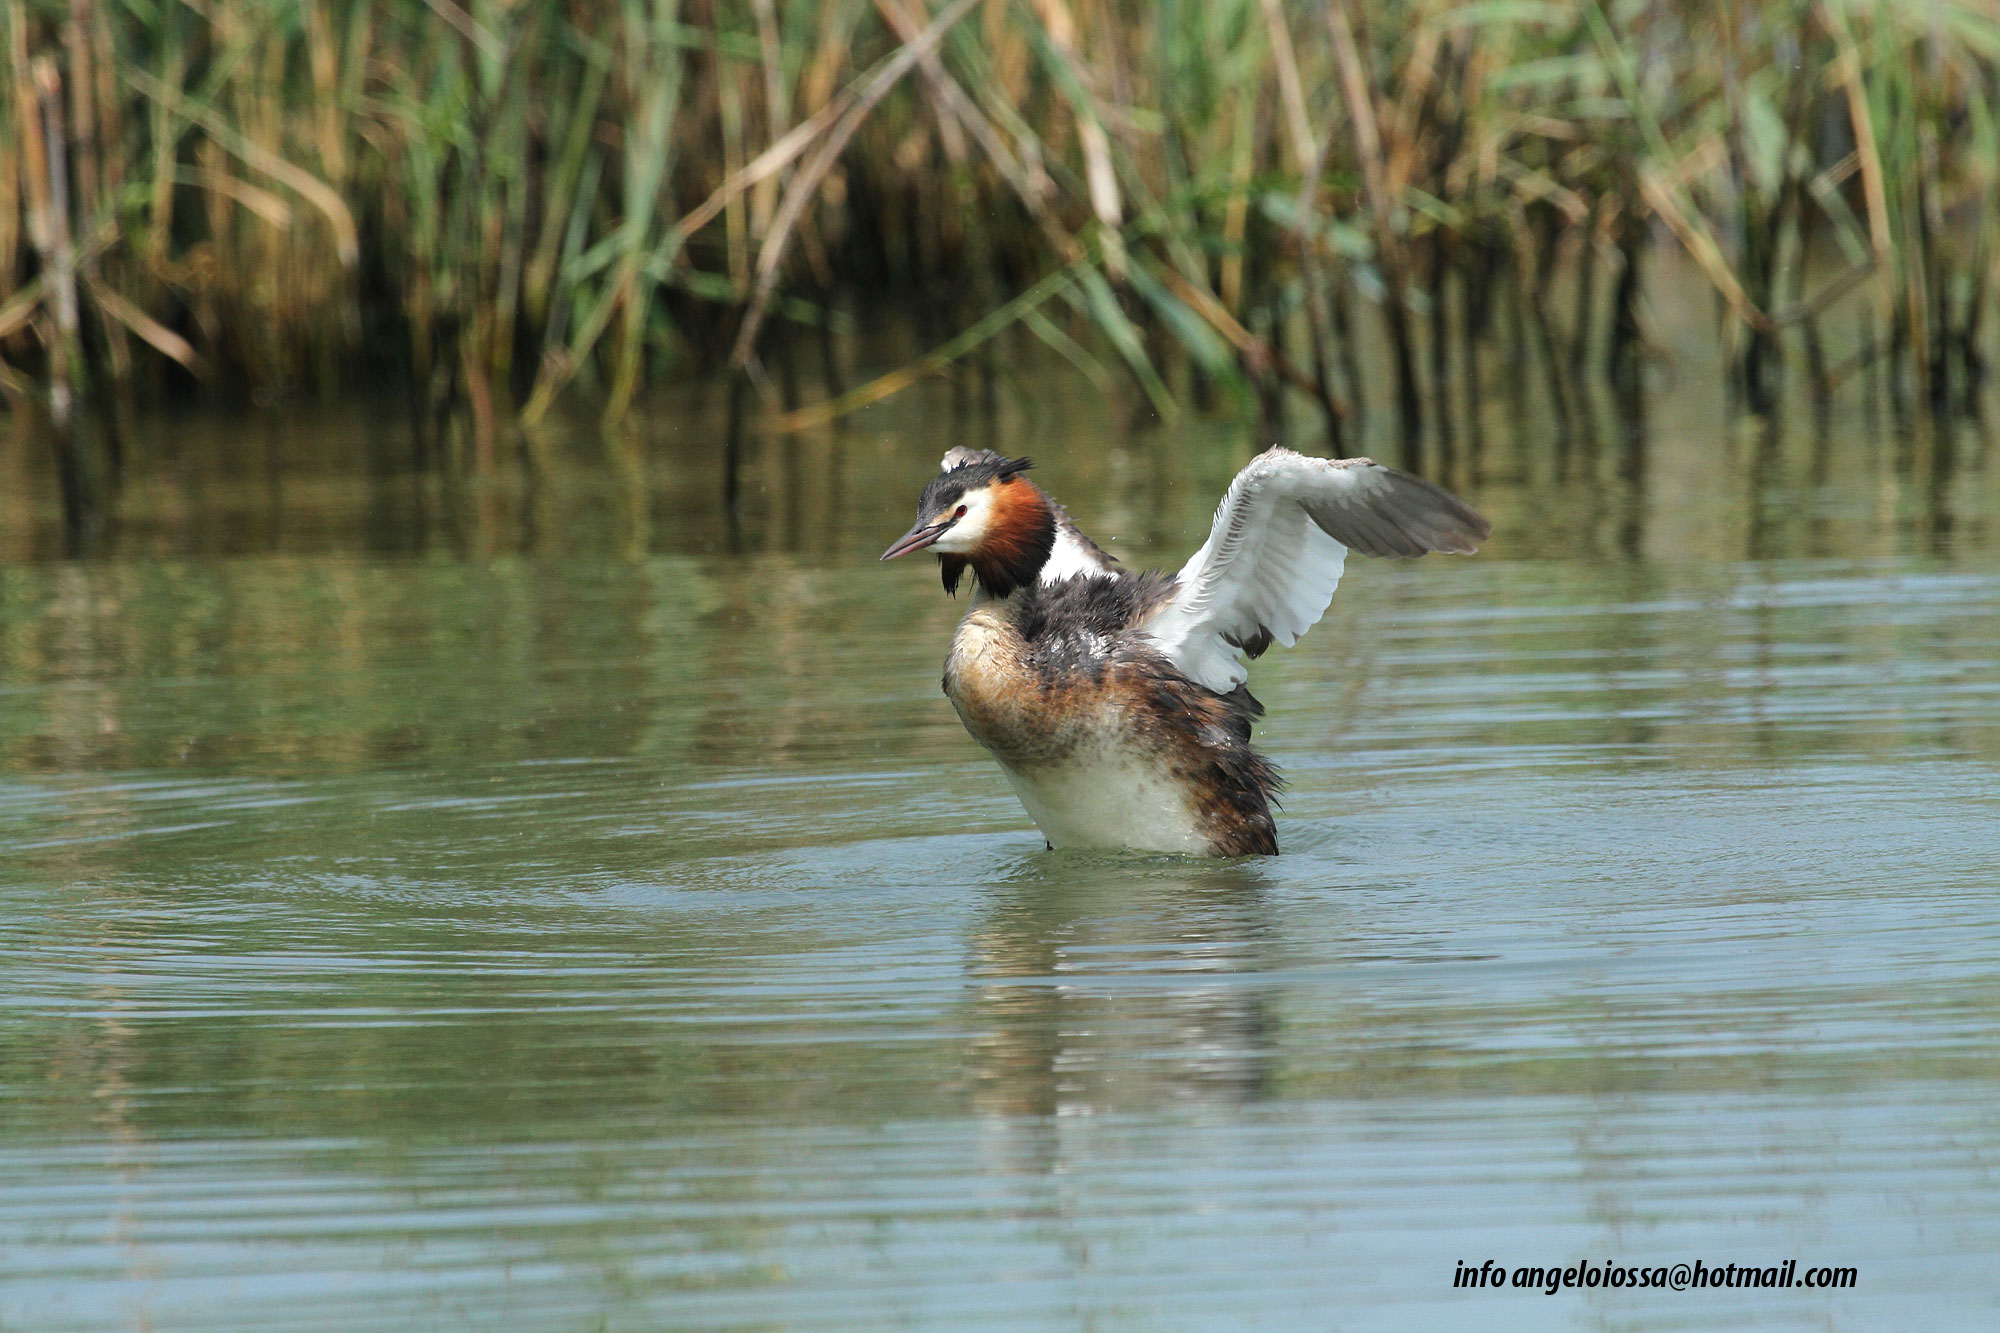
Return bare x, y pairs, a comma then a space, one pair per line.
982, 513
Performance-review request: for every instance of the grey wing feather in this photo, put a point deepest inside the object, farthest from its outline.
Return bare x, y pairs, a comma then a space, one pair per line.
1275, 551
1391, 513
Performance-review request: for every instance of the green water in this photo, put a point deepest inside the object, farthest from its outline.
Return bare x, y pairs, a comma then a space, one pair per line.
542, 904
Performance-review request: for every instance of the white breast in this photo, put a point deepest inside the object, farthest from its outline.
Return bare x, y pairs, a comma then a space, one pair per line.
1115, 798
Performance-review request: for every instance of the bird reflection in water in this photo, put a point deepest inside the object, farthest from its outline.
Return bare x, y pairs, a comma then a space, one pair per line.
1139, 983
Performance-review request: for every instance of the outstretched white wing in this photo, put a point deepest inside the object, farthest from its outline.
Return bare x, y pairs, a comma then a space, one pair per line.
1273, 557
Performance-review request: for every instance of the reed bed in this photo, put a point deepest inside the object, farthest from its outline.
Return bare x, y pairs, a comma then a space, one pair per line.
502, 202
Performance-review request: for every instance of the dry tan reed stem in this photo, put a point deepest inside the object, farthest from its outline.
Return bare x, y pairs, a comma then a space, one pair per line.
807, 183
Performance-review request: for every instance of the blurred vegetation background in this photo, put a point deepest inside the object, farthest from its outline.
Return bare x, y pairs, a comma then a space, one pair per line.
500, 203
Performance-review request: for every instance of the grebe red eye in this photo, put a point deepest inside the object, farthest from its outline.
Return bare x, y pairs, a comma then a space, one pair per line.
960, 513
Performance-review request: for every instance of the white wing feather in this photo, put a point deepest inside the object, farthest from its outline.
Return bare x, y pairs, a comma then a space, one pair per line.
1274, 555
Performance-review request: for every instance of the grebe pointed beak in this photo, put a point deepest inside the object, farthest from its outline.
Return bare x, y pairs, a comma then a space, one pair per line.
917, 538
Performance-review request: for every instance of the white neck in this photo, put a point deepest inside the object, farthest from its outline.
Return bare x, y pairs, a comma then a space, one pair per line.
1073, 556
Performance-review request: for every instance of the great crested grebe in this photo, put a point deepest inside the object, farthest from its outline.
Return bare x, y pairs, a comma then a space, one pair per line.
1114, 701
